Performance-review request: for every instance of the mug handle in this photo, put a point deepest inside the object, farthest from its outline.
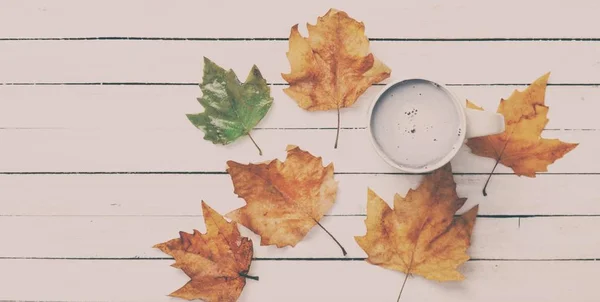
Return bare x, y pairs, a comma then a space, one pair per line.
481, 123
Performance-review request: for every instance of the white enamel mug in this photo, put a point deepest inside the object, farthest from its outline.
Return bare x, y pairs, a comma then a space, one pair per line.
417, 125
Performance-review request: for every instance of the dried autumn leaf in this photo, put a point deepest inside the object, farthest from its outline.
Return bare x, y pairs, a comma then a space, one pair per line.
332, 67
217, 262
520, 146
420, 235
284, 199
231, 108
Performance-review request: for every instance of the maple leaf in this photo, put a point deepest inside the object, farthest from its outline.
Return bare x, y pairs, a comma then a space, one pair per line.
332, 67
420, 235
217, 262
284, 199
231, 109
520, 146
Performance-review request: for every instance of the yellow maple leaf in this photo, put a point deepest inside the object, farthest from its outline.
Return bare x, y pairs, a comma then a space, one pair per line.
520, 146
332, 67
284, 199
420, 235
217, 262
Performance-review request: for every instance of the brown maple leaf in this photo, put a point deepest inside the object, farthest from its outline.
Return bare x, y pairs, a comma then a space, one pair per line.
284, 199
332, 67
520, 146
217, 262
420, 235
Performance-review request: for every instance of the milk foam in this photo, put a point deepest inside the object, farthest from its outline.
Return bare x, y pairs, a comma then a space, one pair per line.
416, 123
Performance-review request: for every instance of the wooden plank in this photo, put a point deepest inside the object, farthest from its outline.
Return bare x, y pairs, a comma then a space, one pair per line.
181, 61
164, 107
180, 195
144, 280
133, 237
185, 150
271, 18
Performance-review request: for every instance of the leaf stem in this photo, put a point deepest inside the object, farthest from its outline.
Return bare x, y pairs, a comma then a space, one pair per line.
402, 289
490, 177
248, 276
338, 243
496, 165
255, 144
337, 135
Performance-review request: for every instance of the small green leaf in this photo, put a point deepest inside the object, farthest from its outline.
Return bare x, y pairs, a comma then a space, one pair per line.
231, 108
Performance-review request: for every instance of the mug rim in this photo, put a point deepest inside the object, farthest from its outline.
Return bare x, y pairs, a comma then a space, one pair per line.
455, 147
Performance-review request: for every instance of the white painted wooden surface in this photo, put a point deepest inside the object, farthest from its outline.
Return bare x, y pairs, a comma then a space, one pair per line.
98, 162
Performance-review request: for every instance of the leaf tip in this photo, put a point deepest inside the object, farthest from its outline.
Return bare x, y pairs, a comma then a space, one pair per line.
191, 116
471, 214
472, 105
255, 74
207, 211
294, 30
572, 146
461, 201
546, 75
231, 164
371, 195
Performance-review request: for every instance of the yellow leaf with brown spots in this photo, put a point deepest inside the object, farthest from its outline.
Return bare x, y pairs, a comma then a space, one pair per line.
284, 199
420, 235
520, 146
333, 66
217, 262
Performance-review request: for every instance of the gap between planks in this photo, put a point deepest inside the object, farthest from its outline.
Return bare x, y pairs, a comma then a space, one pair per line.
501, 216
285, 259
383, 39
281, 128
270, 84
223, 173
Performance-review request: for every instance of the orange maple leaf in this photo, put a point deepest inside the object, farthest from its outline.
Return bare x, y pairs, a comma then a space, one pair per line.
332, 67
284, 199
420, 235
217, 262
520, 146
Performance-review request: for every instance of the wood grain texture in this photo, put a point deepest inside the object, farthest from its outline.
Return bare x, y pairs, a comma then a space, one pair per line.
73, 150
104, 86
271, 18
133, 237
152, 107
152, 280
180, 195
519, 62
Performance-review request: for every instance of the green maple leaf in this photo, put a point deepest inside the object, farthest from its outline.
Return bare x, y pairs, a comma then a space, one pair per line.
231, 108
